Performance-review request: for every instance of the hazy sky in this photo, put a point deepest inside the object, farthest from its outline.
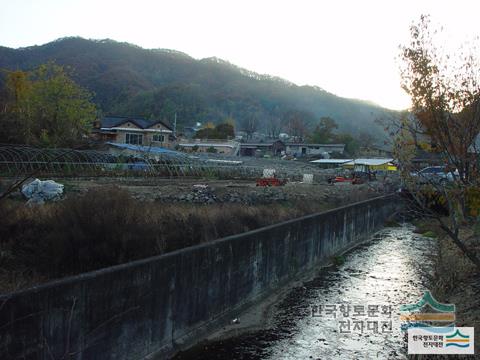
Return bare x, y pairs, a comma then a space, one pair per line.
346, 47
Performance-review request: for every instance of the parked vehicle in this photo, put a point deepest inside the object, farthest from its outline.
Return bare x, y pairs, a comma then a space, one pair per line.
434, 175
357, 177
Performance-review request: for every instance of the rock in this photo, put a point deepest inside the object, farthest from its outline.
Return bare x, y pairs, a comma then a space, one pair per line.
200, 187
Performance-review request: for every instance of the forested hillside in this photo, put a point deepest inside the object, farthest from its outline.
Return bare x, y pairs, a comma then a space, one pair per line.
129, 80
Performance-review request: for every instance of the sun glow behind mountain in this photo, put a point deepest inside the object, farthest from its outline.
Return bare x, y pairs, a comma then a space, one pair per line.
348, 47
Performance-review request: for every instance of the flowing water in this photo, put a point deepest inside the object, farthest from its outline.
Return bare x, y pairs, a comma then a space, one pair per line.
311, 322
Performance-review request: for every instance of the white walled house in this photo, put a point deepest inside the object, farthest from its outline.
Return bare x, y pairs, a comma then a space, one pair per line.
134, 131
300, 149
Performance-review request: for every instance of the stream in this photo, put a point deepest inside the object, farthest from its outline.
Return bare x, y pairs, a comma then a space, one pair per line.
348, 311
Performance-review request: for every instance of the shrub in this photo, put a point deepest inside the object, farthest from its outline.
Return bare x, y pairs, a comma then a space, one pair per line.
102, 228
338, 260
106, 226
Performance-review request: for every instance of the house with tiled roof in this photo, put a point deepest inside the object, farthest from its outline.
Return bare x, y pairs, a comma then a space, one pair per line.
133, 130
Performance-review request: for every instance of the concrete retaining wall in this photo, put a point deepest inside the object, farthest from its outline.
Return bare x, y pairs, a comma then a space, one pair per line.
149, 306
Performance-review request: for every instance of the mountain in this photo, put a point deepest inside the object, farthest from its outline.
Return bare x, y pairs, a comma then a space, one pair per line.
129, 80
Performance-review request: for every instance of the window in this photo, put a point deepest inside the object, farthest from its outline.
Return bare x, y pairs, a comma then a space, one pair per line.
159, 138
135, 139
433, 170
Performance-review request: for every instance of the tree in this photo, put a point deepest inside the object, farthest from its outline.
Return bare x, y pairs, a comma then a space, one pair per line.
46, 108
221, 131
324, 131
274, 126
297, 122
328, 125
351, 145
445, 94
186, 101
15, 108
225, 131
366, 139
298, 128
249, 125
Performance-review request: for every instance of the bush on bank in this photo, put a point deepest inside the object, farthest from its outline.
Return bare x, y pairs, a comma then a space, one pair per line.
106, 226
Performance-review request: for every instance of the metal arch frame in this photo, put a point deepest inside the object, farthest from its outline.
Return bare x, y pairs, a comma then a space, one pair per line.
24, 159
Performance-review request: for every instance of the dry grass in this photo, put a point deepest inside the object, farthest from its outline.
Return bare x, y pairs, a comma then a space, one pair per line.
457, 281
106, 226
455, 278
453, 267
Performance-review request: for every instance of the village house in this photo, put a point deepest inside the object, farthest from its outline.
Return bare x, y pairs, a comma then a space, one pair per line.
301, 149
273, 148
134, 131
227, 147
278, 148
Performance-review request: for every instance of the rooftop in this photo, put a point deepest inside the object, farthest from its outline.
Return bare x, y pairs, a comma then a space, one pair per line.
319, 145
114, 121
370, 162
146, 149
331, 161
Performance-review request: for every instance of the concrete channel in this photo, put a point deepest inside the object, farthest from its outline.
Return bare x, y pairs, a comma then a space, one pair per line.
389, 270
158, 306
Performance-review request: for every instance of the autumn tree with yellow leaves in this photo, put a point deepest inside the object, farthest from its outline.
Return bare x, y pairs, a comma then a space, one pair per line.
444, 88
44, 107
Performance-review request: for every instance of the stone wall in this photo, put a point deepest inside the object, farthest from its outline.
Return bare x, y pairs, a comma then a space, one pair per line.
150, 306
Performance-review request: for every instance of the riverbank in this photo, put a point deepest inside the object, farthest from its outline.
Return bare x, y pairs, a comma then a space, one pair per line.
101, 225
456, 280
391, 269
177, 298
